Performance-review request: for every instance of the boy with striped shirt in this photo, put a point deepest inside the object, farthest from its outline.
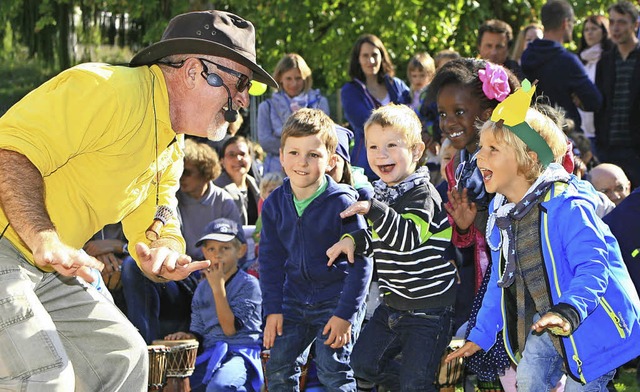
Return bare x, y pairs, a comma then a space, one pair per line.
408, 234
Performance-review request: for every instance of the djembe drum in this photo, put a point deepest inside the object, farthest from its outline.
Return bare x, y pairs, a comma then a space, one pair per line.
450, 374
265, 355
157, 366
181, 358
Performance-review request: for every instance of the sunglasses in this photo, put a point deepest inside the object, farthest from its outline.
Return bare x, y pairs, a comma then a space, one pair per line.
255, 88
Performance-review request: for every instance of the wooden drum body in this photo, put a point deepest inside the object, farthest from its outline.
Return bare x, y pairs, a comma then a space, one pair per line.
181, 358
157, 366
452, 373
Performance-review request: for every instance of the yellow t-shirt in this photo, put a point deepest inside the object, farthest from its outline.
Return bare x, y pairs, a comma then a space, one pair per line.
101, 136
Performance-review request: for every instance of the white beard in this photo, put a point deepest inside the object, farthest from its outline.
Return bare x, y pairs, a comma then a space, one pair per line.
217, 133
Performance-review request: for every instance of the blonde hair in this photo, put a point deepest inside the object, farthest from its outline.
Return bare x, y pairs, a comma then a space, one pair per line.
548, 130
203, 157
306, 122
422, 62
270, 180
399, 117
294, 61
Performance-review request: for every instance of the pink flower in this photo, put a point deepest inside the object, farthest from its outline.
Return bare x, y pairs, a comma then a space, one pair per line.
495, 82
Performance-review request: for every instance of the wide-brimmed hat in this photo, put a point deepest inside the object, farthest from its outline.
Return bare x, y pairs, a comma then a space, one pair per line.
223, 230
215, 33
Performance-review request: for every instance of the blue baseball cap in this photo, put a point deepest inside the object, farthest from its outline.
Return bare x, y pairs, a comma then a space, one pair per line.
223, 230
344, 142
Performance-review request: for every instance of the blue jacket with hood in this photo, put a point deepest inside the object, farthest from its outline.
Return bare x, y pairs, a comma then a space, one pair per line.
293, 260
584, 269
560, 74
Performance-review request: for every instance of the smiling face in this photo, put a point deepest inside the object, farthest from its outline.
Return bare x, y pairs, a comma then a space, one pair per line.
389, 154
292, 82
236, 161
196, 108
305, 160
500, 170
370, 59
458, 111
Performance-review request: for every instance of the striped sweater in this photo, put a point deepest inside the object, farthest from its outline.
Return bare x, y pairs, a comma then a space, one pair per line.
407, 240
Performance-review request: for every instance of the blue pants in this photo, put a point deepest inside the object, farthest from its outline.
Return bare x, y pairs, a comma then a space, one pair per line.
420, 336
303, 324
541, 368
156, 309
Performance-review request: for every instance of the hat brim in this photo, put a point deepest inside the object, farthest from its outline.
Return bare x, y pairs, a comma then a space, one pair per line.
215, 237
151, 54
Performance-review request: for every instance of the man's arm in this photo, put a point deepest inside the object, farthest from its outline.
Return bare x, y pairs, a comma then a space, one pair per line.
22, 198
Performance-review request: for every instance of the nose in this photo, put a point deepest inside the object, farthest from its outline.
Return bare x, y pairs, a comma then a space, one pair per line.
372, 60
241, 99
480, 155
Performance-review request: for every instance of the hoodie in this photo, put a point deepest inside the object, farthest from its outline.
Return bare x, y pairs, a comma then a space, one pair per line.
560, 74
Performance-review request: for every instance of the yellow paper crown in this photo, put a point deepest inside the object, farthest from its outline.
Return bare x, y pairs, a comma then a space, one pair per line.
513, 111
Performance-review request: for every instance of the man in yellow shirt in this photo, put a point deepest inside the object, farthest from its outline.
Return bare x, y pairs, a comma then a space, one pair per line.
100, 144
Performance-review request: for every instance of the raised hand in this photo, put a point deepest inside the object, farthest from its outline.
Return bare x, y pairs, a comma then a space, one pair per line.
461, 209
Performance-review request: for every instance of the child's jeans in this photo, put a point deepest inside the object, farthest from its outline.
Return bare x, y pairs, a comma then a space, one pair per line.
303, 323
420, 336
541, 368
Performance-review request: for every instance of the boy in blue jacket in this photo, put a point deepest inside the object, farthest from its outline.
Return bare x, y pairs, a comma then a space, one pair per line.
303, 300
559, 289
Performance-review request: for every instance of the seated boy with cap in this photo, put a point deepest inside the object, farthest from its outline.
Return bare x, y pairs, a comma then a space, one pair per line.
225, 315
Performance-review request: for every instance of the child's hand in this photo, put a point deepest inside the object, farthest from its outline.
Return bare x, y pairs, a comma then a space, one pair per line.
554, 323
179, 336
359, 207
461, 210
467, 350
340, 332
272, 327
215, 275
345, 246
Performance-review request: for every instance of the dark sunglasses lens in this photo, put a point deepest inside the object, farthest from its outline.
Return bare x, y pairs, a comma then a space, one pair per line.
243, 82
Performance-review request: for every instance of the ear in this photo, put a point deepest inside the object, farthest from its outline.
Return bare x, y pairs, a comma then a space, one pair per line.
417, 151
281, 157
242, 250
533, 155
190, 71
333, 160
486, 114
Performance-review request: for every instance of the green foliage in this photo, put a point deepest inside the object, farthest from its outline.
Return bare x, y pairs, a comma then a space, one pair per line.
323, 32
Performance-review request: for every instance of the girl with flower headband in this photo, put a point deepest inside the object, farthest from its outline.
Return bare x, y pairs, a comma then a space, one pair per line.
466, 92
559, 292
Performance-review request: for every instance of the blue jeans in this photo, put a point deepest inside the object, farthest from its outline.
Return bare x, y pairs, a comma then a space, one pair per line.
541, 368
156, 309
420, 336
303, 324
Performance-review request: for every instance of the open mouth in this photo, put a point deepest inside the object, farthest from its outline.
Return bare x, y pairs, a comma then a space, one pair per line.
454, 135
486, 174
300, 173
386, 168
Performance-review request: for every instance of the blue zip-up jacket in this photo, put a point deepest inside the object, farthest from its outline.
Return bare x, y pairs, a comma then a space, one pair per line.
293, 260
358, 104
584, 269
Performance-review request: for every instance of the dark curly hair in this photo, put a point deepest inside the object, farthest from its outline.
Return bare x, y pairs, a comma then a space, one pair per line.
464, 72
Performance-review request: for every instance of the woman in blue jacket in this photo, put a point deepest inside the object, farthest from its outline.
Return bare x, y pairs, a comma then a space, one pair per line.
373, 85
